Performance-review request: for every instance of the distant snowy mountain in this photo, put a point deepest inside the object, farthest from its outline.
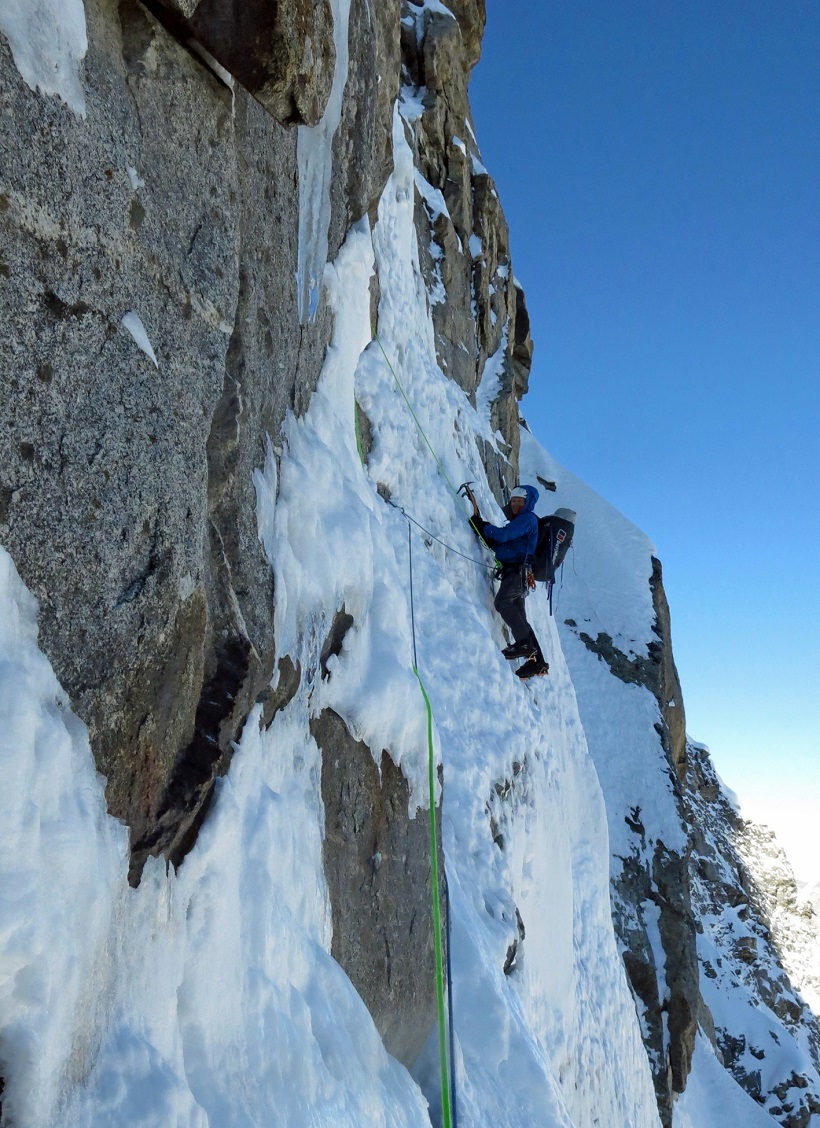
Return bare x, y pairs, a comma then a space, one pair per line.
810, 893
248, 647
792, 914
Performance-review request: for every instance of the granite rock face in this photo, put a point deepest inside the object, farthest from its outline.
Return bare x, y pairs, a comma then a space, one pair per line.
281, 51
657, 882
479, 312
148, 256
126, 495
378, 873
152, 349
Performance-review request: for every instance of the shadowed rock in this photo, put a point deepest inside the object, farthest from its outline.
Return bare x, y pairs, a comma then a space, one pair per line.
281, 51
126, 490
377, 864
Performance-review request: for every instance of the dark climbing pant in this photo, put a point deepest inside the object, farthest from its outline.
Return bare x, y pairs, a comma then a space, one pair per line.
509, 603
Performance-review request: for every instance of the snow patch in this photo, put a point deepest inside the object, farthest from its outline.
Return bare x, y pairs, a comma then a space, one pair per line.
713, 1098
433, 198
489, 385
202, 997
411, 100
136, 181
48, 41
133, 323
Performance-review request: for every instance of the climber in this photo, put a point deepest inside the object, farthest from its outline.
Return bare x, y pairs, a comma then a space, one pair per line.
514, 546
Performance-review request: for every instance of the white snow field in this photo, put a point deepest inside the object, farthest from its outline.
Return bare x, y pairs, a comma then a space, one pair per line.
208, 997
713, 1098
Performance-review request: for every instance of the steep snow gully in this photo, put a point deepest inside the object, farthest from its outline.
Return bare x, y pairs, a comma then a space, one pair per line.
208, 994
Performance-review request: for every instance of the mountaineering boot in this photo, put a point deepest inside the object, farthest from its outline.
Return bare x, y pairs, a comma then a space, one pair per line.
535, 668
520, 650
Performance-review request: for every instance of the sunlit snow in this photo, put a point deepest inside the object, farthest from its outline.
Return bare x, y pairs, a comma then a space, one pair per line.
208, 996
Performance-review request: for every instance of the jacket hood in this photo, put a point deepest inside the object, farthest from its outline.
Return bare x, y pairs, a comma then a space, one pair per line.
532, 497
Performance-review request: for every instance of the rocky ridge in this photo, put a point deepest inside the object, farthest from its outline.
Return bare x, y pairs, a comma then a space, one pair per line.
793, 917
651, 886
126, 489
126, 495
757, 945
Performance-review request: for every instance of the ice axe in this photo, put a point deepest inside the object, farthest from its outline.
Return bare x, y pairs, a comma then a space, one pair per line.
465, 490
476, 519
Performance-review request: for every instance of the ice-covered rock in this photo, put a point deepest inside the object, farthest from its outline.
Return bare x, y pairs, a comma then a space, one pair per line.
219, 547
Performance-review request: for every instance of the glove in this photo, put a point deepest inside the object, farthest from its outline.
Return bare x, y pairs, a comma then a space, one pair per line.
477, 524
529, 577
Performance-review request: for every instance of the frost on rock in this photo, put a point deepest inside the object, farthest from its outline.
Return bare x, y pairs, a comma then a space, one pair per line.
134, 177
489, 386
133, 323
315, 161
48, 42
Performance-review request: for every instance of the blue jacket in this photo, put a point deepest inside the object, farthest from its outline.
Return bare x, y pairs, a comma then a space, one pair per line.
515, 542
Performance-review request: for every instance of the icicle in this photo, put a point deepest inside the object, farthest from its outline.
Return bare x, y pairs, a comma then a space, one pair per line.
315, 161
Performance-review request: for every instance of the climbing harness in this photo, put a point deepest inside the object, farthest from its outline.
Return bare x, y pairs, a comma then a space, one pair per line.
446, 1118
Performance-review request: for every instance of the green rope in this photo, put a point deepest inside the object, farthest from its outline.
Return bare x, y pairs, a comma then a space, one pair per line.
442, 1021
442, 1038
423, 434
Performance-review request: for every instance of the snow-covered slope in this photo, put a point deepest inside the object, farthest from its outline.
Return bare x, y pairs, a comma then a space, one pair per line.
756, 947
209, 996
606, 619
810, 893
581, 898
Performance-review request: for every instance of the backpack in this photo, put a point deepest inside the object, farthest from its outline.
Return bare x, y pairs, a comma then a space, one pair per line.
554, 538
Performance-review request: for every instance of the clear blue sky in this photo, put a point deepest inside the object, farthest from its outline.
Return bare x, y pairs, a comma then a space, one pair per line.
659, 166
